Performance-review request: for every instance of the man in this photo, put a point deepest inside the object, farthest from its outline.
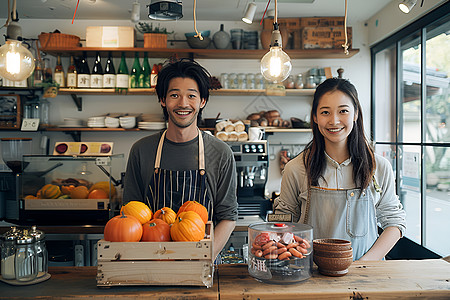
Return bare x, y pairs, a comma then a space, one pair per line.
183, 163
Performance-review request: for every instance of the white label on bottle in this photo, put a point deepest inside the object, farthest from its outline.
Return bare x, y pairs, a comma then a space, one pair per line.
153, 79
59, 78
72, 80
109, 81
96, 81
122, 81
84, 80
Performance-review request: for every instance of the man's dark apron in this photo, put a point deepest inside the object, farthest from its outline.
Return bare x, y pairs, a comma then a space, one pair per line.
168, 188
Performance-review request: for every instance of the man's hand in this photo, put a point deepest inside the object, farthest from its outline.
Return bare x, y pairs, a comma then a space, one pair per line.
222, 233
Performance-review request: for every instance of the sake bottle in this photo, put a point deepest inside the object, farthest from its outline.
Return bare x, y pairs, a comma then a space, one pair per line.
153, 75
58, 75
145, 72
72, 74
97, 73
122, 74
84, 76
135, 72
109, 76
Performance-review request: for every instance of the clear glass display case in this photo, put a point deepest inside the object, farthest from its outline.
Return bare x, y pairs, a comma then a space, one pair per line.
72, 189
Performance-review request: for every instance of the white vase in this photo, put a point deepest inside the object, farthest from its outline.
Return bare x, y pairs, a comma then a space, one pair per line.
221, 38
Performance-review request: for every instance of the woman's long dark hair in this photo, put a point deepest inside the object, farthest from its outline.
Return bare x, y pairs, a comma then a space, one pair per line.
361, 152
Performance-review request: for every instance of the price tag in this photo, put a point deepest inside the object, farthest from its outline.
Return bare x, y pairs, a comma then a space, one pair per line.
30, 124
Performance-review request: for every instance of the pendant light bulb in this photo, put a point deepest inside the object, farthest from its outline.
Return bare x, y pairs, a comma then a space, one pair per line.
16, 61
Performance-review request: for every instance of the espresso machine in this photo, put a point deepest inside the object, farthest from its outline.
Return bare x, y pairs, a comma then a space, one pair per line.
252, 165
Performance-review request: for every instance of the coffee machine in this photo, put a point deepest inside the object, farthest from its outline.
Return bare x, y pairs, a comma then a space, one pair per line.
252, 165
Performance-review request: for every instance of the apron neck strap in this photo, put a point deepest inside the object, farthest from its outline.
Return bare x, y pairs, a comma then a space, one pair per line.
201, 151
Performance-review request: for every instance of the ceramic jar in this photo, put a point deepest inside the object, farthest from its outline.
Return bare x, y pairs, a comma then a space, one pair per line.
221, 39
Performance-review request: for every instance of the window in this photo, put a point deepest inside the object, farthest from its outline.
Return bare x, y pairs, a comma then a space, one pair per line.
411, 123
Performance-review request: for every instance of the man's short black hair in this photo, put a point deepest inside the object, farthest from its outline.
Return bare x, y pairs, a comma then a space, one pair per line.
184, 68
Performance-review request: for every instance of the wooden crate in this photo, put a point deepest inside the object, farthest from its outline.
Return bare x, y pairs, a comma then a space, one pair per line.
156, 263
325, 37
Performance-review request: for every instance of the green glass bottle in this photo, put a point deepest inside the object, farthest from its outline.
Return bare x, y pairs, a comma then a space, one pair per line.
122, 74
135, 72
145, 72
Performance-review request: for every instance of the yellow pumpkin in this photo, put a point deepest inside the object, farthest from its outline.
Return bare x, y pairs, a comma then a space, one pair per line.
166, 214
188, 227
104, 185
138, 210
50, 191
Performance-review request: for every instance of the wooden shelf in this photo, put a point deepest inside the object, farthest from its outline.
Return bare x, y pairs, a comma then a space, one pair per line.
87, 129
201, 53
289, 130
151, 91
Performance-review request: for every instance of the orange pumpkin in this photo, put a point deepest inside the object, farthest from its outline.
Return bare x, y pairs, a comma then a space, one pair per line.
66, 189
123, 228
30, 197
138, 210
188, 227
166, 214
98, 194
156, 230
50, 191
196, 207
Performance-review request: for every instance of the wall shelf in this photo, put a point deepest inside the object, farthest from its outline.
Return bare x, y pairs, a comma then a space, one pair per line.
202, 53
151, 91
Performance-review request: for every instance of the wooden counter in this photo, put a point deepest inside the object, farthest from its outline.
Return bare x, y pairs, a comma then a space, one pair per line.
365, 280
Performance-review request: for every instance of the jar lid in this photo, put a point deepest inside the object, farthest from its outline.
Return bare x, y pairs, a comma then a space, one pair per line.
12, 234
37, 234
280, 227
25, 238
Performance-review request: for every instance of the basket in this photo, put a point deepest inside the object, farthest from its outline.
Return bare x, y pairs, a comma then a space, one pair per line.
58, 40
155, 40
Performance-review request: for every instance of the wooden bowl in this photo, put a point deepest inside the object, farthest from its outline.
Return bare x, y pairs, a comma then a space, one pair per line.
334, 254
331, 244
332, 266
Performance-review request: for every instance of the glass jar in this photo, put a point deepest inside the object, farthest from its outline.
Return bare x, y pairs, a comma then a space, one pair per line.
44, 113
25, 260
259, 82
241, 82
41, 251
299, 81
232, 81
310, 83
289, 82
8, 253
250, 78
224, 81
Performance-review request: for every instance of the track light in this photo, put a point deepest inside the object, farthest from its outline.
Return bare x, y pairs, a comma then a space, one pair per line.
249, 13
136, 12
406, 5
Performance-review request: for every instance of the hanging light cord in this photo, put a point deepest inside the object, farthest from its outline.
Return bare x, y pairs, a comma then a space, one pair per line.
275, 20
9, 17
198, 34
78, 2
345, 46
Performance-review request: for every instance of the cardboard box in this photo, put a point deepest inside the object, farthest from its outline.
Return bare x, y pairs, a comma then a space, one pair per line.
325, 37
289, 23
156, 263
322, 22
110, 36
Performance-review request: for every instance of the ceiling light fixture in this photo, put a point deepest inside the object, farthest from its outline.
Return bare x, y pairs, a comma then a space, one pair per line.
136, 12
249, 13
165, 10
406, 5
16, 61
276, 64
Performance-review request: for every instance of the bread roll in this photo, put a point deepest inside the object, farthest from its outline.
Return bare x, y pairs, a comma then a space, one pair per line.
242, 136
239, 126
233, 136
221, 125
222, 135
229, 127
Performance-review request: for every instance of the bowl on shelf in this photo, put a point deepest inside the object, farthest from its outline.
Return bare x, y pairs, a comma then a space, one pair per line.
205, 33
331, 244
196, 43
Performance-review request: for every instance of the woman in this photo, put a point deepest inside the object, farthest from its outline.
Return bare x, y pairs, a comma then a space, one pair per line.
338, 184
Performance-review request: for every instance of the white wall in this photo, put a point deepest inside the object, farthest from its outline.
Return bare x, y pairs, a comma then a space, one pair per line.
391, 19
357, 70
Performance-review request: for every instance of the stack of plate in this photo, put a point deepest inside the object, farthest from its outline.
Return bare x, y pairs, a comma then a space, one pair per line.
111, 122
96, 121
152, 125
